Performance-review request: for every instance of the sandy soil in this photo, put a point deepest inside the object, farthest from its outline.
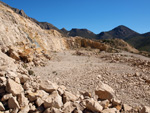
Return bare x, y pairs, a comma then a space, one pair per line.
84, 73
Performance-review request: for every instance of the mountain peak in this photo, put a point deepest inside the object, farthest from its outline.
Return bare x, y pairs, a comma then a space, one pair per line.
122, 27
122, 32
63, 29
146, 34
82, 32
83, 29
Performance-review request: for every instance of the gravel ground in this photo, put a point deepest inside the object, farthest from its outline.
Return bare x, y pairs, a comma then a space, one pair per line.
84, 72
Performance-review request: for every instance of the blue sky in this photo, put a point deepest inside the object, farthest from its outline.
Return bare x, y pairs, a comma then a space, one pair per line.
95, 15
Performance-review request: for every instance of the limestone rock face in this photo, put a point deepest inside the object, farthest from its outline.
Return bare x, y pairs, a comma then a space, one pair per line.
7, 63
103, 91
24, 31
78, 42
13, 87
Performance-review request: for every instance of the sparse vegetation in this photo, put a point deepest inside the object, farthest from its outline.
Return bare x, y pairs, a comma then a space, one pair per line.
24, 65
31, 72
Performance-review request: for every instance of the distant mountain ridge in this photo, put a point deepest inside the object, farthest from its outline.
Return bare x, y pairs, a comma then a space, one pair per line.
82, 32
139, 41
120, 32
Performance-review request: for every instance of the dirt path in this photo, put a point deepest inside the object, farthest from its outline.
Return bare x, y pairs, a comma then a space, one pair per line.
83, 73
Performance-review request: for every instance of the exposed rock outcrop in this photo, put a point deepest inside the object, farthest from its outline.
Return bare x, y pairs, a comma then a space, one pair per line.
23, 32
78, 42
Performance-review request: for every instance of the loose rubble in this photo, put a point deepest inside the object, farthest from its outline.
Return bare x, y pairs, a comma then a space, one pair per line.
23, 93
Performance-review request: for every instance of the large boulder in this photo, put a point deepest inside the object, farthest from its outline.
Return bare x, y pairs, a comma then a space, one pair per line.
39, 101
67, 96
53, 100
48, 86
103, 91
93, 105
42, 94
13, 87
22, 100
32, 96
68, 107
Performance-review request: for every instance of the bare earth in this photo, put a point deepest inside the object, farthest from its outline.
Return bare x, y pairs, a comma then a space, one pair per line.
84, 72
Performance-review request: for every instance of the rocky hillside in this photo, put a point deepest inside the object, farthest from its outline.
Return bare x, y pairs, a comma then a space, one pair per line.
25, 33
43, 25
23, 30
141, 42
82, 32
120, 32
118, 44
25, 39
138, 41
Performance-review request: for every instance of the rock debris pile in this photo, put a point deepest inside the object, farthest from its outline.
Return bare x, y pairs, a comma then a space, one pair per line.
22, 93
